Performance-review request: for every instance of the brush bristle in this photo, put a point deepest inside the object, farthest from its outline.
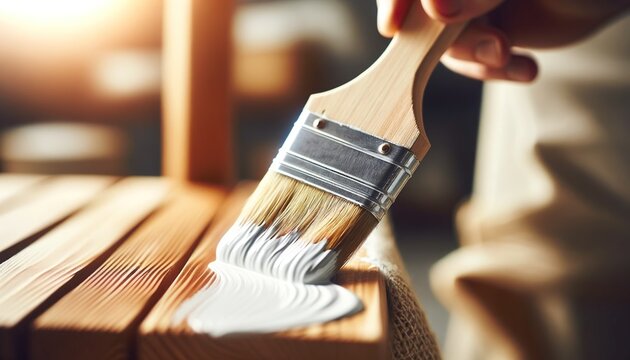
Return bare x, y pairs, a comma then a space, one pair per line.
292, 206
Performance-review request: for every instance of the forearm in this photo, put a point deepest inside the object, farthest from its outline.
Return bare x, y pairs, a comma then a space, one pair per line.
553, 23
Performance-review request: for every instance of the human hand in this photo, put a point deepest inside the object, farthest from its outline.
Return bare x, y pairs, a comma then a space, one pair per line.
491, 46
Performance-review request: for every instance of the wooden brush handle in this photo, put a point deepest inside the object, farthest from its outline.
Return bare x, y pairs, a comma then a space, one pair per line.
386, 99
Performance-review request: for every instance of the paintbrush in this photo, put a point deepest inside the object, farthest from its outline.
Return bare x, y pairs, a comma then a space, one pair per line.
346, 159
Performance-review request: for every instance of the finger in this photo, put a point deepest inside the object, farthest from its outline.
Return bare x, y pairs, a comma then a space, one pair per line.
520, 68
458, 10
391, 14
483, 44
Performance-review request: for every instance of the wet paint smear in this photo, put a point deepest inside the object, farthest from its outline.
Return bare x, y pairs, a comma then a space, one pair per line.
267, 283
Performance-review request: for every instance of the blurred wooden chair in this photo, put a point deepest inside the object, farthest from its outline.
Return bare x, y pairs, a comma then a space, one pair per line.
196, 126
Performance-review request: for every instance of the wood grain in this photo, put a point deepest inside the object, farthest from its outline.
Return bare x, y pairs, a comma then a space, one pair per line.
39, 275
13, 184
360, 336
386, 99
97, 319
196, 126
45, 205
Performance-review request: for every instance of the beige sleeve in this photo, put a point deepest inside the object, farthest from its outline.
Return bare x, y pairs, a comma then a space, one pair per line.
545, 258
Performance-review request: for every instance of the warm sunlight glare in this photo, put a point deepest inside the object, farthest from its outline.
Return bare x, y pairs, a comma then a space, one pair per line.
38, 11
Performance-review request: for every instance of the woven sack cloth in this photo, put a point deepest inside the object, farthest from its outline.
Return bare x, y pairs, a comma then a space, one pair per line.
410, 334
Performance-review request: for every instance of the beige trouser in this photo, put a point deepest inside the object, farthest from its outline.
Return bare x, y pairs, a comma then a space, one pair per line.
544, 266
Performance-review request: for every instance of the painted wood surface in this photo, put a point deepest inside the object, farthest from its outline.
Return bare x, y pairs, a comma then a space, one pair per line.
44, 206
363, 336
105, 282
13, 184
39, 275
97, 318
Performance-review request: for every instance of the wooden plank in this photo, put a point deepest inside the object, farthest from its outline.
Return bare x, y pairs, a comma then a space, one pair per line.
98, 319
12, 185
42, 273
196, 126
363, 335
46, 205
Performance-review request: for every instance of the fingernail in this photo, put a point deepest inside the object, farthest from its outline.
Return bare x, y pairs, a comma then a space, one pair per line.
448, 8
488, 52
519, 71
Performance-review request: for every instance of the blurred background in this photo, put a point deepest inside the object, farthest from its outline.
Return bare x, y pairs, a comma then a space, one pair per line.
80, 92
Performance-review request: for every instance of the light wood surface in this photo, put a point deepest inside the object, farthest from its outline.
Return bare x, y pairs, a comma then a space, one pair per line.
13, 184
96, 320
104, 283
362, 336
386, 99
196, 126
40, 274
43, 207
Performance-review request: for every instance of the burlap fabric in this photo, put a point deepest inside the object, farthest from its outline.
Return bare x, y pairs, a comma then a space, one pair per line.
410, 334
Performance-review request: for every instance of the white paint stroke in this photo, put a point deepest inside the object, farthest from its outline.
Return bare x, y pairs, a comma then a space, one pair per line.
242, 301
265, 282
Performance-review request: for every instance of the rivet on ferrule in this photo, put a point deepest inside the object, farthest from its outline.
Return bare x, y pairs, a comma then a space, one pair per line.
319, 123
384, 148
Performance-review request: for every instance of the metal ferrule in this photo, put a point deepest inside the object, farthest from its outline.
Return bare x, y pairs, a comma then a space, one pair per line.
346, 162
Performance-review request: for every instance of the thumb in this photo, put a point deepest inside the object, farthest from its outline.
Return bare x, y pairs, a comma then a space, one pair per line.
458, 10
391, 14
